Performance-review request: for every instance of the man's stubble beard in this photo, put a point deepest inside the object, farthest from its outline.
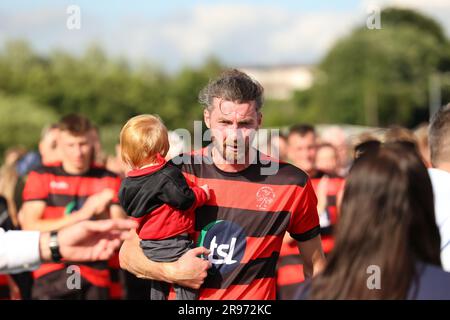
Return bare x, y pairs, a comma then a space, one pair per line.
231, 157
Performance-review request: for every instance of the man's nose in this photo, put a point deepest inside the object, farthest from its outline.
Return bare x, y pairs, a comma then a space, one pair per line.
79, 151
234, 133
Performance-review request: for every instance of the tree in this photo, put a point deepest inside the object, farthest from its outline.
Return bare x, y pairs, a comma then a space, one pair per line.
107, 90
377, 77
22, 121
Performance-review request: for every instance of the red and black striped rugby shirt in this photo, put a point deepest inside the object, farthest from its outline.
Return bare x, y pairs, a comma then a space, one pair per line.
63, 194
244, 222
290, 264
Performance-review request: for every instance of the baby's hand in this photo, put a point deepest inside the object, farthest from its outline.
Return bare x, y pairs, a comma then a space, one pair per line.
206, 189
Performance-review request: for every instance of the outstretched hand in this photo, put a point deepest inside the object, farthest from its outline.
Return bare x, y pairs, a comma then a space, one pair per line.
93, 240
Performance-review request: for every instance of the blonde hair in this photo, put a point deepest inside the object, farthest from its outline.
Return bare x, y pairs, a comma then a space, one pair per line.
142, 138
9, 179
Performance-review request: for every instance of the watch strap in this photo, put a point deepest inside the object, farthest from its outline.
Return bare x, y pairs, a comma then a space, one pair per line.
54, 247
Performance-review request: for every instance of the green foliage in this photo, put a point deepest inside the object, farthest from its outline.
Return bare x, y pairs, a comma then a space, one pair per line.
378, 77
108, 91
22, 121
401, 17
369, 77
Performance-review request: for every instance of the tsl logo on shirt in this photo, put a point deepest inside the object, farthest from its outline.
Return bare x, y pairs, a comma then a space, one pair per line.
224, 251
226, 242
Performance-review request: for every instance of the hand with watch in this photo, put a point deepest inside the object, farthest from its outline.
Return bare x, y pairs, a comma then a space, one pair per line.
85, 241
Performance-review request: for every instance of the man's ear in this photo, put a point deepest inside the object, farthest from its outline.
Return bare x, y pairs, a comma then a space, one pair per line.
207, 118
259, 119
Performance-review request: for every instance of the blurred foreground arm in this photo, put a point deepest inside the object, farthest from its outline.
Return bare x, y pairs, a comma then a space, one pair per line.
84, 241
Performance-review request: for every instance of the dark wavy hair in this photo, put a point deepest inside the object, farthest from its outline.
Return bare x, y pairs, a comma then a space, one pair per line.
232, 85
387, 220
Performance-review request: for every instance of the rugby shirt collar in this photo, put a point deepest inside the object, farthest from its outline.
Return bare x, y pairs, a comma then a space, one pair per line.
161, 162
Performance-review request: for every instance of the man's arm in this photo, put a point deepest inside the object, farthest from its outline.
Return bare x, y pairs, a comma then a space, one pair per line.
86, 241
116, 212
189, 271
19, 251
30, 217
313, 256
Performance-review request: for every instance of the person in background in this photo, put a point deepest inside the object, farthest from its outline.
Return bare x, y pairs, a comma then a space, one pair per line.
302, 151
9, 178
115, 164
302, 148
337, 137
387, 229
64, 193
400, 134
364, 146
327, 159
100, 158
9, 288
13, 174
17, 286
328, 186
279, 145
48, 145
439, 141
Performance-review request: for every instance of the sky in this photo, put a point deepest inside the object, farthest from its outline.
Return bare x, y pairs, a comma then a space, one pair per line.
175, 33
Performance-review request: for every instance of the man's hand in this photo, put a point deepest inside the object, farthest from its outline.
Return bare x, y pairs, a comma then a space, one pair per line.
104, 200
205, 188
89, 240
190, 270
96, 204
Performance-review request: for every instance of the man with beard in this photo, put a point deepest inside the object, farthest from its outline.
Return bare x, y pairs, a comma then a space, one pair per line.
254, 200
61, 194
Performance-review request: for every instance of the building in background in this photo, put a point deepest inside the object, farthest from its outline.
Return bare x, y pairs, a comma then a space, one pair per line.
280, 81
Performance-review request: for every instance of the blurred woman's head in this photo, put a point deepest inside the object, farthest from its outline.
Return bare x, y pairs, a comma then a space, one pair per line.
327, 158
387, 220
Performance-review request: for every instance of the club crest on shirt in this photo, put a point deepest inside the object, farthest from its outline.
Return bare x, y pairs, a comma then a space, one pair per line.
265, 197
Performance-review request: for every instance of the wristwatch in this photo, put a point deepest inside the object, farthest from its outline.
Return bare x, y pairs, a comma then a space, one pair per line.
54, 247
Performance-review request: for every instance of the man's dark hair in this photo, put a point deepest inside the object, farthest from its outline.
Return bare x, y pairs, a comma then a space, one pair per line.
439, 136
75, 124
301, 129
232, 85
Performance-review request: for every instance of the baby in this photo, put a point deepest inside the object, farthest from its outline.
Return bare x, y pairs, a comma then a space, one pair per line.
157, 196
